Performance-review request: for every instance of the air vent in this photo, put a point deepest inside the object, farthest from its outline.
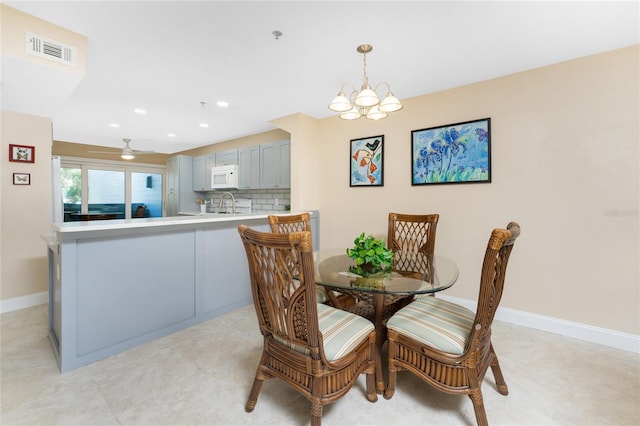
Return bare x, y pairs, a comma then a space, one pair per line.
50, 49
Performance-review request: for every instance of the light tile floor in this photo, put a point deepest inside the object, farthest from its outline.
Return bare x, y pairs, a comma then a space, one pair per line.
192, 378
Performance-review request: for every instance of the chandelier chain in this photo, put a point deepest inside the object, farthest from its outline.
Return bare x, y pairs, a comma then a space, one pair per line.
365, 80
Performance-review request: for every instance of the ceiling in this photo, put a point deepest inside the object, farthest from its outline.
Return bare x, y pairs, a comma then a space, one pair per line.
168, 57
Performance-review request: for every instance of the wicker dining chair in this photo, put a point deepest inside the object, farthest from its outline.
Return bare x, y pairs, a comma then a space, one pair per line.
412, 238
317, 349
447, 345
285, 224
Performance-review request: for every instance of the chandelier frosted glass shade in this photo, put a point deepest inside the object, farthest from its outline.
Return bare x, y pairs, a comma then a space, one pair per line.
390, 103
352, 114
366, 102
340, 103
367, 98
375, 113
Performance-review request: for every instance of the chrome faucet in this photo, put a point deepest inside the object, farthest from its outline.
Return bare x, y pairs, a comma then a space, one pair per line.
233, 202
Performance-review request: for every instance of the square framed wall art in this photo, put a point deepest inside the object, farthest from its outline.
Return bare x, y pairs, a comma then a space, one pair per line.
455, 153
22, 179
22, 153
367, 161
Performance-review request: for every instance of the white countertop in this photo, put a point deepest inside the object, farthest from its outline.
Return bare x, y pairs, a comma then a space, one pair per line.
102, 225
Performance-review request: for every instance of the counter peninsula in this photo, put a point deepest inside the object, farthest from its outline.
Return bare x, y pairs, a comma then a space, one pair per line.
115, 284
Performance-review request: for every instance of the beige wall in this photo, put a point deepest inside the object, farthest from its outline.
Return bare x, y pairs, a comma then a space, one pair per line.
564, 142
25, 211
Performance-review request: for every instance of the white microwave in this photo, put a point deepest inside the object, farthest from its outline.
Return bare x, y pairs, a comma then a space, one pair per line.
223, 177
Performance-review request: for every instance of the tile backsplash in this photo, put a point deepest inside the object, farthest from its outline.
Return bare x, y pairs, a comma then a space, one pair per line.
263, 200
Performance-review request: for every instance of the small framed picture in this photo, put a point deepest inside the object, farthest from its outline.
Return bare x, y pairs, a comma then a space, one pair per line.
22, 179
367, 163
22, 153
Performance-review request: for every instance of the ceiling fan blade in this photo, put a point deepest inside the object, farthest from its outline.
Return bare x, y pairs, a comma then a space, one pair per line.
125, 151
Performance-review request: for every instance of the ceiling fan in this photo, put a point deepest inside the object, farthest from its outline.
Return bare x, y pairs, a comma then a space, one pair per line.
127, 152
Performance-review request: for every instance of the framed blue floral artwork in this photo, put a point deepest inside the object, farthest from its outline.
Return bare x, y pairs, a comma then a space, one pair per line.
367, 161
455, 153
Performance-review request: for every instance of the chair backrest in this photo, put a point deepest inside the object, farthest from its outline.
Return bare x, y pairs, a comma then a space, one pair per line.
289, 223
494, 268
140, 211
285, 300
412, 238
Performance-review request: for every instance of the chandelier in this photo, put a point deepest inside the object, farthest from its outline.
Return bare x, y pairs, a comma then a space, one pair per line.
365, 102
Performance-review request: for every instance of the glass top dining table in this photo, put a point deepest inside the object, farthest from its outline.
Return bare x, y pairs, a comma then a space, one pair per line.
380, 296
332, 270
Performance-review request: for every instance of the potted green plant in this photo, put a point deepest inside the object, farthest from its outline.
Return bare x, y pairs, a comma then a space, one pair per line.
370, 256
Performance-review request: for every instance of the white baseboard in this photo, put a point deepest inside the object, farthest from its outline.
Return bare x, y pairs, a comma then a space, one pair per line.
22, 302
589, 333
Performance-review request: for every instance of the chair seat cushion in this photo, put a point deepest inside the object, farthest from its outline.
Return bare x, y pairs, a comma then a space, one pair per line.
321, 294
435, 322
341, 331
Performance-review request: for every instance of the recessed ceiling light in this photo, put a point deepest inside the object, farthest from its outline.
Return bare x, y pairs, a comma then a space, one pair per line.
139, 111
204, 125
171, 135
222, 104
114, 125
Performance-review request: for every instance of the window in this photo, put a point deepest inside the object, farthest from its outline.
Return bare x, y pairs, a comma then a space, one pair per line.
104, 187
146, 190
106, 192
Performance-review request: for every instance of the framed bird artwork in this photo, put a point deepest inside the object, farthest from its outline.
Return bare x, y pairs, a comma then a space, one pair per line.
367, 161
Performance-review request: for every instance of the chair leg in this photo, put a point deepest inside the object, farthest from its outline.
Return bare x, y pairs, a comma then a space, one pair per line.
316, 412
255, 391
372, 395
478, 407
497, 374
391, 380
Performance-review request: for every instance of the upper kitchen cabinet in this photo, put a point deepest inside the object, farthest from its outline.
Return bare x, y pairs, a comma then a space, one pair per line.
179, 173
226, 158
275, 164
249, 167
202, 172
198, 173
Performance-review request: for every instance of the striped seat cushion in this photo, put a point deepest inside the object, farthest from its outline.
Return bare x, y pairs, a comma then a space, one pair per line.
321, 294
341, 331
435, 322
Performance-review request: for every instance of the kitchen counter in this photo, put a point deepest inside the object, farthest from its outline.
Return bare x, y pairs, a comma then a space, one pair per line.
183, 219
115, 284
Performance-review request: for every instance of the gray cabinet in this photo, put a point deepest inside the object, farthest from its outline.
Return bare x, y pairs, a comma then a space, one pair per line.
198, 173
249, 167
225, 158
202, 172
275, 164
179, 195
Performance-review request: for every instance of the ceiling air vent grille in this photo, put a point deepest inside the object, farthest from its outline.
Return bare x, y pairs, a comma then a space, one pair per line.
50, 49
